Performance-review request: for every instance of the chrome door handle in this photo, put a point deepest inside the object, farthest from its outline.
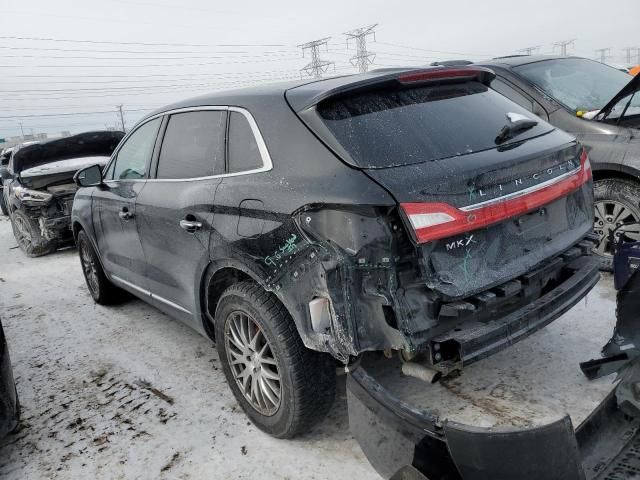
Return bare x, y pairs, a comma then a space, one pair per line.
190, 225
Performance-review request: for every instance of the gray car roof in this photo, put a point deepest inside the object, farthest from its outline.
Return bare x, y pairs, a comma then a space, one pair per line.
517, 60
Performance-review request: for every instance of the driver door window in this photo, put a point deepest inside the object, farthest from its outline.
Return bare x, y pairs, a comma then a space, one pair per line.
133, 157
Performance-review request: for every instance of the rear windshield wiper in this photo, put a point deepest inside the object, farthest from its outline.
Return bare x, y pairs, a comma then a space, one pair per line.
517, 124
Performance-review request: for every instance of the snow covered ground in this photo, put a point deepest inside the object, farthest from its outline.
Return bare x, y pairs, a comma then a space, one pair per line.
126, 392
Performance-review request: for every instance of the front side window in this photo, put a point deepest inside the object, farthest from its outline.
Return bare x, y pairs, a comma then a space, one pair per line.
132, 158
193, 145
244, 154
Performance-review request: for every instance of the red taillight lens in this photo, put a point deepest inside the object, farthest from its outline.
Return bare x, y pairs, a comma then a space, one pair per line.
432, 221
433, 74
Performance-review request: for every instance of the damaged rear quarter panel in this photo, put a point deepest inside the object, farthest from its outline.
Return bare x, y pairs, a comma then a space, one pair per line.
257, 229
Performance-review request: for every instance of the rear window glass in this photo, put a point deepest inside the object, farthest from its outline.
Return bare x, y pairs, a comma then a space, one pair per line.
401, 127
193, 145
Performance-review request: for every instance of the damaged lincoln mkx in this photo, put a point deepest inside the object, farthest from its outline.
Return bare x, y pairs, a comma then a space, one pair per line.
400, 210
39, 189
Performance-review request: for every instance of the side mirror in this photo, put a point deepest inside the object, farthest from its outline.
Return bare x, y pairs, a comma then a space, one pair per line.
89, 176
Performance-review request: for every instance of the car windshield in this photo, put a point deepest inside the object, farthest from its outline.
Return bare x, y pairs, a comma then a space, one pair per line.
389, 128
579, 83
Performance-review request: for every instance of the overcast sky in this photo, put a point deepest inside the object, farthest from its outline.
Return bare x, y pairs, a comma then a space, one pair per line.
76, 59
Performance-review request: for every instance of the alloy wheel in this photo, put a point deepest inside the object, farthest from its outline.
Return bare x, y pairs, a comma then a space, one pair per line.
610, 214
23, 232
89, 268
252, 363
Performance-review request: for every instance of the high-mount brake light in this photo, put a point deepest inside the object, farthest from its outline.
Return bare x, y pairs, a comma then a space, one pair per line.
433, 221
443, 74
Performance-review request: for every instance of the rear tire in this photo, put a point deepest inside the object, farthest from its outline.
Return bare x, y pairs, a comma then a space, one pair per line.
101, 289
616, 201
27, 233
306, 380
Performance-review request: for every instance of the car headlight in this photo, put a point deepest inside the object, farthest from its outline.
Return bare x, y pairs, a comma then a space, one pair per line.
31, 196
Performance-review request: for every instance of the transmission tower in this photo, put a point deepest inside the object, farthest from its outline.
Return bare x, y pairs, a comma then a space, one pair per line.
628, 51
363, 57
563, 44
316, 67
530, 50
603, 53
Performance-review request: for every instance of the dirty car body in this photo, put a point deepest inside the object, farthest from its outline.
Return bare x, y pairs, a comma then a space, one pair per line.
369, 206
39, 187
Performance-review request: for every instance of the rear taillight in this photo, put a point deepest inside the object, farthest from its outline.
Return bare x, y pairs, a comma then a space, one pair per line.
432, 221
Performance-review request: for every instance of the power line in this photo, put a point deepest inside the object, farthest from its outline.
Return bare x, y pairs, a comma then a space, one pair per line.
68, 114
181, 57
435, 51
362, 58
260, 60
109, 42
316, 67
563, 44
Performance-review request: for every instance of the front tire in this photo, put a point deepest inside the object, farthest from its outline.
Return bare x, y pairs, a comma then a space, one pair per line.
101, 289
617, 201
3, 204
283, 387
27, 233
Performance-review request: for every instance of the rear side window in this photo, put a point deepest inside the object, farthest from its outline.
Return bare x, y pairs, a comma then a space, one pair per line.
193, 145
388, 128
131, 162
244, 154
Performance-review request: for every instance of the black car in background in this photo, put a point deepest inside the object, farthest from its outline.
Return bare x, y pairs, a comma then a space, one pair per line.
301, 224
598, 105
38, 187
9, 403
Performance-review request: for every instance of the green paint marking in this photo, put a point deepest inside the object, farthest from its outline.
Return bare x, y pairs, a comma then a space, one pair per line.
465, 265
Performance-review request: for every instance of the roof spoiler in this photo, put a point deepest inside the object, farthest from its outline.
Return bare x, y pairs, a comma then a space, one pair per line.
401, 79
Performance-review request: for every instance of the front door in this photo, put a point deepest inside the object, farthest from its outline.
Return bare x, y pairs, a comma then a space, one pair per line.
114, 209
175, 209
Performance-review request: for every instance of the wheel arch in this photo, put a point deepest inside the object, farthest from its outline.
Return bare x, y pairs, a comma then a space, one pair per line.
219, 276
621, 172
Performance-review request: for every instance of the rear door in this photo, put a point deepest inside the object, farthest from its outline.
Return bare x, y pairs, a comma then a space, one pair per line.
114, 208
175, 210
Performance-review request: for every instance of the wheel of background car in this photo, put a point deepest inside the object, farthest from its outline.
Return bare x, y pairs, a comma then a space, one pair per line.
617, 201
101, 289
283, 387
3, 204
27, 233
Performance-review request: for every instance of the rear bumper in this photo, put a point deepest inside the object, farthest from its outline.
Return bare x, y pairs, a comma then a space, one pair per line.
482, 339
402, 442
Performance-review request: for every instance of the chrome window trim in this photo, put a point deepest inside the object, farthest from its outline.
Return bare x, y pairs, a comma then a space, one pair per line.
267, 164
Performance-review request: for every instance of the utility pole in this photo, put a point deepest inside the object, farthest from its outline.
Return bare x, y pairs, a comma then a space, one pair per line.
362, 58
604, 53
316, 67
563, 44
119, 107
22, 130
530, 50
